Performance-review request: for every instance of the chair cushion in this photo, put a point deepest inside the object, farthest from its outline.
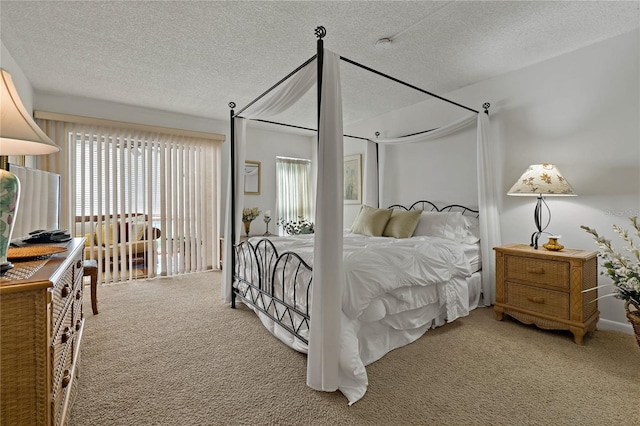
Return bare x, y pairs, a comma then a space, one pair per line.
110, 234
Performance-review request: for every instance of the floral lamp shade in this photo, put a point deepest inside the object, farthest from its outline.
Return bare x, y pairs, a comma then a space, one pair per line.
542, 179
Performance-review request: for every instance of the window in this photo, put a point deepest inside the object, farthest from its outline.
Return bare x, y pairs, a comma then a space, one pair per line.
120, 188
139, 193
293, 189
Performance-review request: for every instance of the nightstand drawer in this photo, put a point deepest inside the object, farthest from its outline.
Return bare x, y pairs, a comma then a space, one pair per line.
549, 273
548, 302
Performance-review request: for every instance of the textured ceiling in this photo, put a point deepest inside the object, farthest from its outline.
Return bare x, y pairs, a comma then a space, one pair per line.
194, 57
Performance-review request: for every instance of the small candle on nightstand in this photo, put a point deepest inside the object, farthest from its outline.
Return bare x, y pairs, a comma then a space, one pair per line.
267, 213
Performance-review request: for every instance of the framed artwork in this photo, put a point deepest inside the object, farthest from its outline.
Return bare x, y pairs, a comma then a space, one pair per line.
252, 177
353, 179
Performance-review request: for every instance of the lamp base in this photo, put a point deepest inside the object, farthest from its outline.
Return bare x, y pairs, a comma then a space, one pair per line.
534, 239
537, 217
9, 196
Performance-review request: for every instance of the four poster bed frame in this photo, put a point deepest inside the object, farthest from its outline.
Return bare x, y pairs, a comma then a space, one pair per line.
259, 269
256, 267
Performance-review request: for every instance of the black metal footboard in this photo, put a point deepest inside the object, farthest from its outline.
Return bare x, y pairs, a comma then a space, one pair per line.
278, 285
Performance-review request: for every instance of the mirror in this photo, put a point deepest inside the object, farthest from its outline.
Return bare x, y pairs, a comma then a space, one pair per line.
252, 177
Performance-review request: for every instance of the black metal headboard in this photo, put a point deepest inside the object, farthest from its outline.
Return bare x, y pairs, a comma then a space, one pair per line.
425, 205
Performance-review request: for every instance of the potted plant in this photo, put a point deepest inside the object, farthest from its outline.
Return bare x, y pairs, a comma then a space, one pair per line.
248, 215
296, 227
624, 271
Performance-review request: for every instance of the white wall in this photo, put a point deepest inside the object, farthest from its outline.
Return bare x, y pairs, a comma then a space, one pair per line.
120, 112
580, 111
264, 145
351, 147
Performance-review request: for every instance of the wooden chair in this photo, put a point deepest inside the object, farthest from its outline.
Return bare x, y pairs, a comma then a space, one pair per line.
91, 270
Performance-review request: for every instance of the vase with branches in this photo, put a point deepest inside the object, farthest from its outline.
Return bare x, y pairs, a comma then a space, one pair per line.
248, 215
624, 270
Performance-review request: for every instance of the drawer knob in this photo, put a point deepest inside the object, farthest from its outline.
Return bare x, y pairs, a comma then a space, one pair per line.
79, 295
66, 379
64, 292
537, 271
78, 324
535, 299
66, 335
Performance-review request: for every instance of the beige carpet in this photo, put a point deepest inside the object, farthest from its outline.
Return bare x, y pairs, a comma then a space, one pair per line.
169, 352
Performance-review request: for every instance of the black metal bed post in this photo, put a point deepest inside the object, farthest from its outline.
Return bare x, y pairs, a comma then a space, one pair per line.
320, 32
232, 172
377, 168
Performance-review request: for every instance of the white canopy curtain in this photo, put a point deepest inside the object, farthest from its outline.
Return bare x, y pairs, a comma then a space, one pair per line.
277, 102
323, 362
123, 180
487, 200
324, 345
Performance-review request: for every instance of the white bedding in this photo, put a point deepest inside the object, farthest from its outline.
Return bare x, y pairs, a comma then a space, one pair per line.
394, 291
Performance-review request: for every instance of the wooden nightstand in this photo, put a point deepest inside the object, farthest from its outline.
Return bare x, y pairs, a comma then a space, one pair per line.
544, 288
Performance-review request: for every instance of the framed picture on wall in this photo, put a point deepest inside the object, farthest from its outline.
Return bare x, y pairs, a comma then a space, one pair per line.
252, 177
353, 179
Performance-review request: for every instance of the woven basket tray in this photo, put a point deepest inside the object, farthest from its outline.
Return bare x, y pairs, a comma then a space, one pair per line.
633, 315
23, 253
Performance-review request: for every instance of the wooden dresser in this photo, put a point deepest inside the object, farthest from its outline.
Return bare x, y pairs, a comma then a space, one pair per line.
545, 288
41, 326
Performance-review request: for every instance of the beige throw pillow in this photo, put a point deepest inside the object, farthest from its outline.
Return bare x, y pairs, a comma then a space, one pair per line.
371, 221
402, 223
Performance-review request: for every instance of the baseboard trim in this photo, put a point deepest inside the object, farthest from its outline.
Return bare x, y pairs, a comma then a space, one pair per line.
604, 324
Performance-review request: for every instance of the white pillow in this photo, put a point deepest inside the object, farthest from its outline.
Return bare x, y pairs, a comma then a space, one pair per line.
450, 225
472, 235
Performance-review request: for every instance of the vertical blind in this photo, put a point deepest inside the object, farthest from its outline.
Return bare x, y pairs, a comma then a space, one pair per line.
143, 196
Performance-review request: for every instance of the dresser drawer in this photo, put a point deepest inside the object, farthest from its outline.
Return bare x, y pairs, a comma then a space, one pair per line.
77, 267
548, 302
549, 273
59, 396
61, 296
62, 349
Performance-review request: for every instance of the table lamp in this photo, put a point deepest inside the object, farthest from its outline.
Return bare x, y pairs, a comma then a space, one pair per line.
19, 135
539, 180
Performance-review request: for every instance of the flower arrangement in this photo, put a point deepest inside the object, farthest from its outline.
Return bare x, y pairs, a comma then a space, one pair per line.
624, 271
250, 213
296, 227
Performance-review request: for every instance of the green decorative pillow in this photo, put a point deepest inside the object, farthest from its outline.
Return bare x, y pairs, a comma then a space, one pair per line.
371, 221
402, 223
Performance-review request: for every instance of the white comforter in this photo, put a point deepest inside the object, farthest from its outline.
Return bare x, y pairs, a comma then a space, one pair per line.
395, 290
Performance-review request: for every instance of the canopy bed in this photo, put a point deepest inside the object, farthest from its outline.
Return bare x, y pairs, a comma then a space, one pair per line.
320, 319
